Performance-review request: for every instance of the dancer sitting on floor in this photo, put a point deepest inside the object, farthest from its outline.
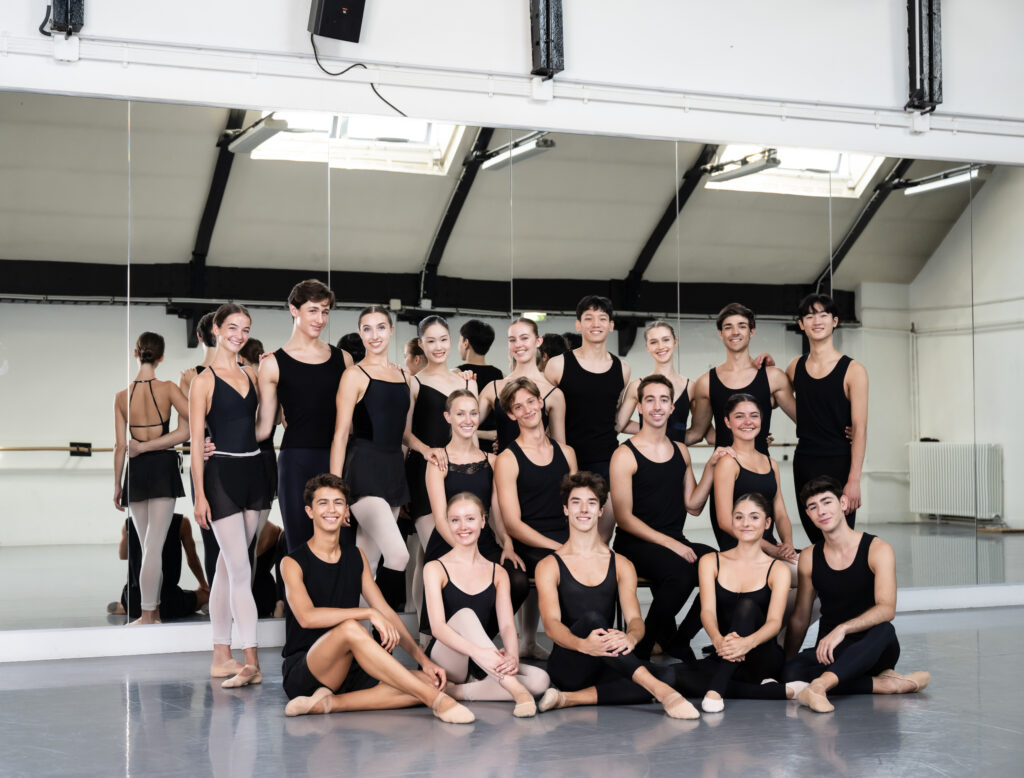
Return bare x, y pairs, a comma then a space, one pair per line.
592, 663
854, 576
465, 616
331, 663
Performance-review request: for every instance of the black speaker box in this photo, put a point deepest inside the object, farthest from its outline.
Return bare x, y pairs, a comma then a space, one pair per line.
68, 15
338, 19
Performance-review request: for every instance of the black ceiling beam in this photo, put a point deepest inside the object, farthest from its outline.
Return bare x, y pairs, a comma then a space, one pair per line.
863, 219
470, 167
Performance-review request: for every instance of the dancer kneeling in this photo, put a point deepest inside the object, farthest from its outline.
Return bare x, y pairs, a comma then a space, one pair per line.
592, 663
854, 576
742, 597
464, 624
331, 663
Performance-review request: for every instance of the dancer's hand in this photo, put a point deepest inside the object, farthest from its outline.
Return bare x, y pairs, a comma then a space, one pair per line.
594, 645
202, 512
786, 552
510, 663
117, 497
828, 644
135, 447
208, 449
508, 553
720, 453
491, 660
439, 457
735, 648
388, 632
438, 677
681, 549
618, 643
852, 494
763, 360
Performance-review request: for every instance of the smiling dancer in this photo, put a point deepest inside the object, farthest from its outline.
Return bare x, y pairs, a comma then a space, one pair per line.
231, 489
653, 488
331, 663
578, 586
466, 616
592, 380
831, 397
523, 342
854, 576
152, 482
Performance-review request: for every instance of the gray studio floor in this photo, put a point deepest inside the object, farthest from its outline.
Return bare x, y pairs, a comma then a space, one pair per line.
160, 715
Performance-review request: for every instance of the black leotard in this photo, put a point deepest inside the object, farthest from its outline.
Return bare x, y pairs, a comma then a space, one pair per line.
591, 400
727, 601
476, 478
373, 461
748, 482
719, 395
481, 603
232, 417
155, 474
164, 424
307, 393
429, 426
508, 429
575, 599
844, 594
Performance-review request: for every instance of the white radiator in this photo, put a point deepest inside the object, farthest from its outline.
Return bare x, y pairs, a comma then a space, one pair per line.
957, 479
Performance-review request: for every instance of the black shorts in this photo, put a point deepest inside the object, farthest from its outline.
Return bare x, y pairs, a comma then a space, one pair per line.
298, 681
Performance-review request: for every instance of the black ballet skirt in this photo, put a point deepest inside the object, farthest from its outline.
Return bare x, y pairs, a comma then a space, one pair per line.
152, 475
376, 470
235, 483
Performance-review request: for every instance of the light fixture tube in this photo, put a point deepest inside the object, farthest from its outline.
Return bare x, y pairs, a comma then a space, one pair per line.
942, 183
250, 138
525, 151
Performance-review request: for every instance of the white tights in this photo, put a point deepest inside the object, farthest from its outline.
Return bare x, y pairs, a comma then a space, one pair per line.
456, 665
378, 534
152, 519
231, 593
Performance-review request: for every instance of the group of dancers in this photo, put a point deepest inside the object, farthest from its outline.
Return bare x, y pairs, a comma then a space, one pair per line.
523, 525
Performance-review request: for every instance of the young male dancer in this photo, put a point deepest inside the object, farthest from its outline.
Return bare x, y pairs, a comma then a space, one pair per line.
831, 397
739, 373
653, 488
854, 576
592, 380
331, 663
301, 378
475, 339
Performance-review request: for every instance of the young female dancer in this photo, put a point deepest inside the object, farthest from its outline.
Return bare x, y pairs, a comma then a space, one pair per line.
742, 599
231, 489
153, 480
468, 603
660, 339
578, 585
746, 472
373, 405
469, 470
429, 429
523, 342
413, 357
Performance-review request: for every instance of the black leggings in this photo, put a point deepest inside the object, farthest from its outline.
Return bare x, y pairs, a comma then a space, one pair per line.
763, 661
858, 659
672, 579
806, 468
295, 466
610, 675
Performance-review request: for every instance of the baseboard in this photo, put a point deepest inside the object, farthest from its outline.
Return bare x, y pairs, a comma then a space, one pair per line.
85, 642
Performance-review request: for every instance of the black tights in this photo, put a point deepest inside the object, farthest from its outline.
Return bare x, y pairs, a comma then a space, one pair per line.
610, 675
858, 659
763, 661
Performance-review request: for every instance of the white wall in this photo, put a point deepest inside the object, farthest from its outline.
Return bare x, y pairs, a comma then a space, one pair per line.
947, 350
815, 74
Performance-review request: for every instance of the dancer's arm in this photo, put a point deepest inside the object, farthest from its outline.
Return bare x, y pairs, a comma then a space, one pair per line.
120, 447
800, 618
695, 495
198, 406
438, 503
627, 405
267, 376
700, 413
554, 403
617, 642
725, 475
784, 550
857, 391
707, 570
736, 647
351, 387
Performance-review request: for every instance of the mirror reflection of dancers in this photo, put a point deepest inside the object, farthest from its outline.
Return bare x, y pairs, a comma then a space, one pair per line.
743, 597
523, 342
231, 490
301, 379
331, 663
373, 406
592, 663
661, 342
468, 603
413, 357
470, 470
153, 480
249, 356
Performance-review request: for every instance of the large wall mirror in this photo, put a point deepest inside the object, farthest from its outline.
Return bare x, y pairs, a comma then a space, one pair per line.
122, 218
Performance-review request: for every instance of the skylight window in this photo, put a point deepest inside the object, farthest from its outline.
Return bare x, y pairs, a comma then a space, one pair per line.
805, 172
392, 144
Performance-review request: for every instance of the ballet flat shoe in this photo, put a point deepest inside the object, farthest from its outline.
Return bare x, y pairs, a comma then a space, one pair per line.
525, 710
300, 706
817, 702
552, 700
711, 705
457, 714
226, 669
678, 707
920, 678
255, 677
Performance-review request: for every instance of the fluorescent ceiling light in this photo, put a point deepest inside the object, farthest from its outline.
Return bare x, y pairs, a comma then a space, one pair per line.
535, 315
248, 139
744, 166
513, 153
942, 181
801, 171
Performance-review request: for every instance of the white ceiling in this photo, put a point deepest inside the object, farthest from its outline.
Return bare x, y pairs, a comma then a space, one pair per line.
582, 209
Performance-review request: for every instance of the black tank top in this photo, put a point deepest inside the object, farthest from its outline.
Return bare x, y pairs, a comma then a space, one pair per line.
540, 502
380, 414
232, 417
308, 393
476, 478
163, 424
428, 422
844, 594
329, 585
508, 429
726, 600
576, 600
760, 388
482, 603
822, 410
749, 482
677, 420
658, 492
591, 400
